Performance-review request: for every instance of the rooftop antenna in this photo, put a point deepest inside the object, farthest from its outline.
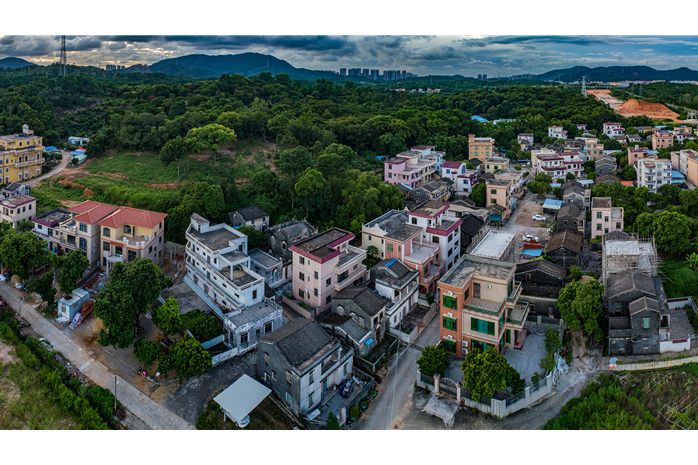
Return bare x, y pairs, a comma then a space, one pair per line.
64, 57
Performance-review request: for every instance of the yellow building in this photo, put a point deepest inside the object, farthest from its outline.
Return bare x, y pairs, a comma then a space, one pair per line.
21, 156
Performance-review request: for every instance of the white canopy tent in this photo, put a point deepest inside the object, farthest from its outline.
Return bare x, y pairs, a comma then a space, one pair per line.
240, 398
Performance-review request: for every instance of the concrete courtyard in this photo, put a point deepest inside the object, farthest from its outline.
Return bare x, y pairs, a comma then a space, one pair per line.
526, 361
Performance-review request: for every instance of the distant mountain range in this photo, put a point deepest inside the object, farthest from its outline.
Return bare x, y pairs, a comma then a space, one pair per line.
618, 73
246, 64
12, 62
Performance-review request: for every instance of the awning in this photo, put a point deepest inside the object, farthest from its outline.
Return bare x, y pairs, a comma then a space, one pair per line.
496, 217
369, 341
241, 397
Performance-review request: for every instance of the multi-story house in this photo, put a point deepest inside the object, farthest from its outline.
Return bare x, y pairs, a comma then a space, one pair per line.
686, 162
558, 165
604, 165
592, 148
565, 248
495, 164
325, 264
652, 173
524, 139
662, 140
300, 362
433, 190
366, 309
16, 209
536, 154
398, 284
412, 168
613, 129
637, 152
480, 148
604, 217
452, 169
428, 152
569, 217
267, 266
499, 192
130, 233
682, 133
466, 181
284, 235
633, 138
516, 178
557, 132
574, 194
14, 189
21, 156
250, 216
437, 228
479, 306
218, 269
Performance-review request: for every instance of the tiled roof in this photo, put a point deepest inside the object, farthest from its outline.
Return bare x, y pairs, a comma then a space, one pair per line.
133, 216
627, 281
363, 297
318, 244
471, 225
567, 240
251, 213
299, 340
452, 164
644, 303
607, 178
18, 201
543, 265
91, 212
570, 210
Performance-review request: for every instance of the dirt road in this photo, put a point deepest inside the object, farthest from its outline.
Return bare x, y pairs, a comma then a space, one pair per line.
64, 162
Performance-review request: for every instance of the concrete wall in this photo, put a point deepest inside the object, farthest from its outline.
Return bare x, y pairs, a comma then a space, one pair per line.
654, 365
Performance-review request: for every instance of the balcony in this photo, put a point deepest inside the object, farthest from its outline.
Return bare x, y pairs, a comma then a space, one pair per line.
421, 253
517, 315
343, 282
489, 307
349, 258
27, 163
515, 292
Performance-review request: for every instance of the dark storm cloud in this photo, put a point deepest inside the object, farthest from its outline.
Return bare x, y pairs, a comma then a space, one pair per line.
43, 45
514, 40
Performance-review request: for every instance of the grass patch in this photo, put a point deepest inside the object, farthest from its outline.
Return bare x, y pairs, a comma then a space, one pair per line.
266, 416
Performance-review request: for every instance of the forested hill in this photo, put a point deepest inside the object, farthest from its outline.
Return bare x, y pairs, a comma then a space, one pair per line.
245, 64
618, 73
13, 62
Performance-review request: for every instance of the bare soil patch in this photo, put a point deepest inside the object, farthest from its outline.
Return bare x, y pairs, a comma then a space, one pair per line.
653, 110
7, 354
526, 215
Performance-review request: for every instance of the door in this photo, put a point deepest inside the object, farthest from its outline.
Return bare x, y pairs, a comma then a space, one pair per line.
324, 387
476, 290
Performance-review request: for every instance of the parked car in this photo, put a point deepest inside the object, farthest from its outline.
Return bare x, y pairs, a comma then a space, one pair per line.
539, 218
529, 238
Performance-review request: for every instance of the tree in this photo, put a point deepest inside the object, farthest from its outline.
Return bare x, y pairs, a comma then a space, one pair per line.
332, 422
543, 177
44, 287
187, 357
255, 239
25, 225
552, 340
485, 373
203, 327
357, 224
540, 188
132, 289
372, 251
514, 380
173, 150
557, 192
479, 194
672, 231
166, 317
146, 351
23, 251
433, 360
73, 266
575, 273
629, 173
580, 306
209, 138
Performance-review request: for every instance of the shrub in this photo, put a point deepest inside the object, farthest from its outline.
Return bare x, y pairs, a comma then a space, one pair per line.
354, 411
103, 402
332, 422
203, 327
146, 351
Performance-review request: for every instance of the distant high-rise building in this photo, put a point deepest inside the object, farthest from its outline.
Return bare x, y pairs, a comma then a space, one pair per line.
366, 72
484, 77
354, 72
403, 74
111, 68
342, 71
374, 74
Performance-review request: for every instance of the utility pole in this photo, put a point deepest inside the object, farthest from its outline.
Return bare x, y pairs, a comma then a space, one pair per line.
115, 383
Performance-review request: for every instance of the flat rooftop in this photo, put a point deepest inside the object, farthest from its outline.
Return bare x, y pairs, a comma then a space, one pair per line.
430, 208
625, 248
264, 259
404, 232
252, 313
318, 245
215, 240
493, 245
601, 202
242, 278
468, 265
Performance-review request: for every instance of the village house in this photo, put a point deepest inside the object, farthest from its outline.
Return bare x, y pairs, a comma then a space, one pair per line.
495, 164
605, 165
606, 179
499, 193
635, 153
267, 266
557, 132
21, 156
284, 235
613, 129
565, 248
517, 181
653, 173
593, 149
323, 265
433, 190
13, 210
686, 162
682, 133
300, 362
368, 312
524, 140
250, 216
14, 189
559, 165
398, 284
662, 140
480, 148
479, 306
542, 282
605, 218
633, 138
574, 194
413, 167
535, 155
572, 218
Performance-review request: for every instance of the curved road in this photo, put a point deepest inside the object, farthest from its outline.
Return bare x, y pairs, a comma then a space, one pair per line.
64, 162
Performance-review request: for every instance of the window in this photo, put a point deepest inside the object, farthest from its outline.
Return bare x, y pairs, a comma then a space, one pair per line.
310, 399
618, 226
598, 227
482, 326
493, 201
605, 219
414, 220
311, 377
328, 299
328, 282
316, 275
131, 255
127, 229
106, 232
449, 346
266, 359
449, 323
300, 293
493, 191
645, 323
301, 276
598, 214
301, 260
273, 375
288, 398
345, 369
267, 327
370, 238
390, 247
450, 302
244, 338
288, 377
83, 243
258, 333
315, 292
435, 239
150, 250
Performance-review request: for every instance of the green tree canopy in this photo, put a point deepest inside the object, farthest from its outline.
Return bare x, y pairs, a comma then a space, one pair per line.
580, 306
23, 251
210, 137
479, 194
73, 264
672, 231
166, 316
44, 287
146, 351
485, 373
173, 150
433, 360
187, 357
255, 239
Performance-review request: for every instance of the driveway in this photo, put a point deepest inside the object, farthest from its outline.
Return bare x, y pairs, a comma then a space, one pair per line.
394, 393
64, 162
520, 223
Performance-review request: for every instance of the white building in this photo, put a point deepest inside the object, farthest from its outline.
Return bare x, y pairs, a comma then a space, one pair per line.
437, 228
557, 132
428, 152
558, 165
652, 173
613, 129
398, 284
78, 140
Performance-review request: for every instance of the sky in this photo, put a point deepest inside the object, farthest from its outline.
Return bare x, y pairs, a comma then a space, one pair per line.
503, 55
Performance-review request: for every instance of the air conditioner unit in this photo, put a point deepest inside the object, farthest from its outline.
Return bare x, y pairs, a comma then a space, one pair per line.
465, 343
465, 351
489, 286
449, 314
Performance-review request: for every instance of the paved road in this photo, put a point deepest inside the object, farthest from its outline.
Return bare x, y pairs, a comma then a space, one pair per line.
64, 162
154, 415
396, 389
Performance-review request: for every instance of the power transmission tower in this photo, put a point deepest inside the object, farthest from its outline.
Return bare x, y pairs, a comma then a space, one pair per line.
64, 57
584, 86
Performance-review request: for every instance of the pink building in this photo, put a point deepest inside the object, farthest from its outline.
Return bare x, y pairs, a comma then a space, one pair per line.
323, 265
605, 218
558, 165
413, 167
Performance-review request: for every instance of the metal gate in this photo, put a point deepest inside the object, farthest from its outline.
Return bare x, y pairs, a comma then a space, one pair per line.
447, 388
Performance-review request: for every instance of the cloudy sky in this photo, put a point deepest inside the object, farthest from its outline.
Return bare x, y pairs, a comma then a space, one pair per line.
423, 55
